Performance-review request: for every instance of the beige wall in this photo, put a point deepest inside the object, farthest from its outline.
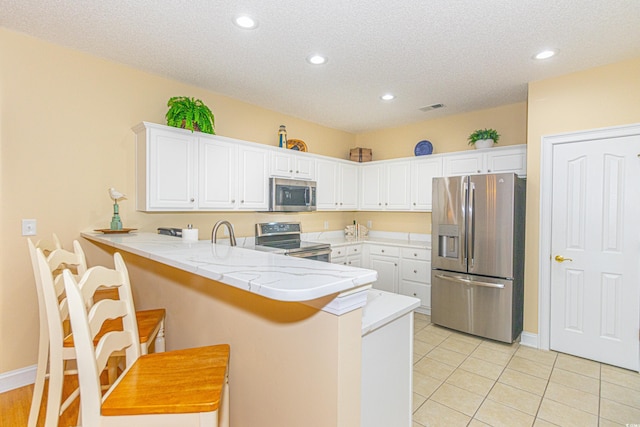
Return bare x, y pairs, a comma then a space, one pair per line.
595, 98
65, 138
448, 134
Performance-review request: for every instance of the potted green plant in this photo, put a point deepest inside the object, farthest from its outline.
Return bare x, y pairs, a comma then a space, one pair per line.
190, 113
484, 138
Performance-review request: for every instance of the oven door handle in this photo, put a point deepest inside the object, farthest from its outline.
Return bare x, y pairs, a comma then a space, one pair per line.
311, 252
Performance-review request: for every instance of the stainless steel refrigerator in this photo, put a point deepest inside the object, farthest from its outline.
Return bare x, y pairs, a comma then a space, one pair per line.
477, 255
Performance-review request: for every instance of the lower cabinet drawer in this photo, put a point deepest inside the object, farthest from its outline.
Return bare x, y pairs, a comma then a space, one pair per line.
417, 290
417, 271
384, 250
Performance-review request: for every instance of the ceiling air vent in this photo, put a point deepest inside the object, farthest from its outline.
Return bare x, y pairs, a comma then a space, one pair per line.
431, 107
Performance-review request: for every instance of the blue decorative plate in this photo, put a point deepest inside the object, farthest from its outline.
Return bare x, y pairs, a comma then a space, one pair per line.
423, 148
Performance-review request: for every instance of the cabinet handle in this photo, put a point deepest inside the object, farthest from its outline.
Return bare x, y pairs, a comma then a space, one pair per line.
395, 265
291, 171
414, 294
379, 204
355, 250
192, 200
349, 262
241, 201
479, 171
340, 203
385, 203
233, 201
415, 254
488, 170
297, 171
382, 250
415, 271
414, 203
336, 203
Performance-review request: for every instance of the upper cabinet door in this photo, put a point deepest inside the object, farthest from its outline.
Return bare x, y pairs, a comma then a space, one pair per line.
397, 191
286, 164
463, 164
348, 187
422, 173
327, 185
371, 185
218, 169
171, 171
508, 159
253, 178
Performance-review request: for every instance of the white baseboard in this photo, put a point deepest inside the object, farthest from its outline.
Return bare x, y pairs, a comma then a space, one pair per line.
18, 378
529, 340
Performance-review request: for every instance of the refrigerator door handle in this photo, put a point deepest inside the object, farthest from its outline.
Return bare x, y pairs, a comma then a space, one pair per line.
472, 223
457, 279
465, 199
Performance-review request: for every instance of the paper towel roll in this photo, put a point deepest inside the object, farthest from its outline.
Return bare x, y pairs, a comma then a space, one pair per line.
189, 234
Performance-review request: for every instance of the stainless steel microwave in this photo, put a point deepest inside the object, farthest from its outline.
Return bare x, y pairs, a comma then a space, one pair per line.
291, 195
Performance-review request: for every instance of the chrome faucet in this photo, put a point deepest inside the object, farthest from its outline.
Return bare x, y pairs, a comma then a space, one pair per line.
232, 236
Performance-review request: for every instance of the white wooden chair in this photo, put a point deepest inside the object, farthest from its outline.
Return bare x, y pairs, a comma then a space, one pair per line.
55, 345
176, 388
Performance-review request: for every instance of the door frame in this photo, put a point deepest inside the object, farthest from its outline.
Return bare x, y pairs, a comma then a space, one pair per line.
546, 186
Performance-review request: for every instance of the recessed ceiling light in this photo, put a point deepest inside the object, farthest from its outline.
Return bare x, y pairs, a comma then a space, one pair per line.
316, 59
387, 97
545, 54
246, 22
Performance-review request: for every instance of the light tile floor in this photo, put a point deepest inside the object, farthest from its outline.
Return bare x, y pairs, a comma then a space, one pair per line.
463, 380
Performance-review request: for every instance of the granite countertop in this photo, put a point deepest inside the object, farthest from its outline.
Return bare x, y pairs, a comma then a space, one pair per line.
273, 276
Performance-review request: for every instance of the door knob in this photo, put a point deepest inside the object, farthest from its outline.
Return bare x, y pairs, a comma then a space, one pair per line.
560, 258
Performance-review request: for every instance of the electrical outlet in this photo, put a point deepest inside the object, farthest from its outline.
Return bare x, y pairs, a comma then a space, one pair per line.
369, 224
326, 225
29, 227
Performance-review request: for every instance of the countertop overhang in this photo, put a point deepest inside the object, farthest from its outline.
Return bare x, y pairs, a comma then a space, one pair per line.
273, 276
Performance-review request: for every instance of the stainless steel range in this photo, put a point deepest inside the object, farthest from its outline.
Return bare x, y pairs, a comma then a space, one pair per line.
284, 238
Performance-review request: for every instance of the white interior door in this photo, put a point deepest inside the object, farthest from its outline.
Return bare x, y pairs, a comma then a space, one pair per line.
595, 227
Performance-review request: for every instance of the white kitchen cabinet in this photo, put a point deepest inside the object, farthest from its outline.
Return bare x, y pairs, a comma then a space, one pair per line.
386, 186
415, 276
347, 254
218, 173
386, 261
337, 185
387, 360
232, 176
489, 160
286, 164
507, 159
166, 168
422, 173
177, 170
253, 182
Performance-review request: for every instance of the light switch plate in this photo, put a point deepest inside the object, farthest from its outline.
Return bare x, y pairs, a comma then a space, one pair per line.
29, 227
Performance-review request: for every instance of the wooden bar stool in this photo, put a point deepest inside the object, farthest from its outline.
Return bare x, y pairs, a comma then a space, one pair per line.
176, 388
56, 345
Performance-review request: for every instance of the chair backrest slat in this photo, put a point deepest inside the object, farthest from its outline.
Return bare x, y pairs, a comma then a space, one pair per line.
87, 321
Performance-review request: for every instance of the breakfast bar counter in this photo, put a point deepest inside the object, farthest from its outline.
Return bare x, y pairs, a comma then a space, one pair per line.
294, 325
271, 275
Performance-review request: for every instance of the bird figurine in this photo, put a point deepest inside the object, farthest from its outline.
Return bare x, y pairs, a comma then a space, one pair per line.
116, 195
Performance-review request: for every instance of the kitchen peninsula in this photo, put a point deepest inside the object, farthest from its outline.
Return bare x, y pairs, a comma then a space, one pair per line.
294, 325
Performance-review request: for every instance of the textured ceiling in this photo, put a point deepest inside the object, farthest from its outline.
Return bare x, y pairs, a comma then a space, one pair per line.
466, 54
